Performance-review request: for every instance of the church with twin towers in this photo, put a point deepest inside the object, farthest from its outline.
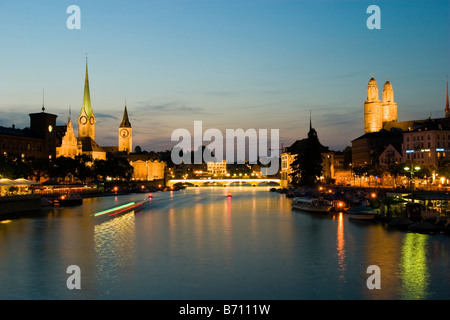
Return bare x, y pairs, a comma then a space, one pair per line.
85, 143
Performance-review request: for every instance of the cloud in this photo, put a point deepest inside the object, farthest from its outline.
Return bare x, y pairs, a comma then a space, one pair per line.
105, 116
168, 107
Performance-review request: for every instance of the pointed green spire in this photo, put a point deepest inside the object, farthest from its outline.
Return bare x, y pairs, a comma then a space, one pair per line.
87, 97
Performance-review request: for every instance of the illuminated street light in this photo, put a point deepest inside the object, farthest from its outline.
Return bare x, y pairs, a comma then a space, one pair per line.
412, 170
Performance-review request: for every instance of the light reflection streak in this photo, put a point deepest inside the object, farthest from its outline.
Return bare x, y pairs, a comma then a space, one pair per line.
341, 247
414, 271
115, 248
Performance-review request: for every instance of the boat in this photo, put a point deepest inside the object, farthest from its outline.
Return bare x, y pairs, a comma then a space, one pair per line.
124, 208
70, 200
312, 204
362, 212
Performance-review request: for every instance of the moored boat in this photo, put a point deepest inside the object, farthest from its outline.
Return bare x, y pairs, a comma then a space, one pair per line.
312, 204
362, 212
70, 200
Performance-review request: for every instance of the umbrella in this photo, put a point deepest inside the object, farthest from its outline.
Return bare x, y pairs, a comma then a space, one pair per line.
24, 182
6, 182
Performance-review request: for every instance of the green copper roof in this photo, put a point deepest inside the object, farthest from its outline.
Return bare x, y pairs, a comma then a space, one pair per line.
87, 97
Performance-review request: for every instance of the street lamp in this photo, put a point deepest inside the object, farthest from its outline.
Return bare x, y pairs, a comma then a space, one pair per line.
412, 170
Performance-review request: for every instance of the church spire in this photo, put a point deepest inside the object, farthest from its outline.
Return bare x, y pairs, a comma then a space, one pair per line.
87, 97
125, 121
447, 108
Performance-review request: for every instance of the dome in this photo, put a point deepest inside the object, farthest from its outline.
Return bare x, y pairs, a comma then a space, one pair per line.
387, 84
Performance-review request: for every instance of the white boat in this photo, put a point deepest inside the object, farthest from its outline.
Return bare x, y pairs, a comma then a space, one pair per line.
312, 204
362, 213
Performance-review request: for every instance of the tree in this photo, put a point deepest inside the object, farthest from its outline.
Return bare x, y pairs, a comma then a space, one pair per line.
396, 170
83, 168
307, 166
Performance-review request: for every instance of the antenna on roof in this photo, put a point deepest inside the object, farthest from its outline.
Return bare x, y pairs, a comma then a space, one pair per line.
43, 100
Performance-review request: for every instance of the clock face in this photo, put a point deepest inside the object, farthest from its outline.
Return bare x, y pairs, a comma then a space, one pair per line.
124, 133
92, 120
83, 120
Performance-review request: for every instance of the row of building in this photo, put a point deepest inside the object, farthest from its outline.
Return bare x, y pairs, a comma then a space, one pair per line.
45, 139
386, 141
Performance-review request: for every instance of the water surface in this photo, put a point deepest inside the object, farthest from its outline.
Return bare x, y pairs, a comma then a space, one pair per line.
199, 244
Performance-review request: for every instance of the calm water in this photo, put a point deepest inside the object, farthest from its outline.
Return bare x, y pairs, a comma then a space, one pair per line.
197, 244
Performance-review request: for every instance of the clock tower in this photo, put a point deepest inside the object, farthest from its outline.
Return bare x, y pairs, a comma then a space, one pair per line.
86, 120
125, 134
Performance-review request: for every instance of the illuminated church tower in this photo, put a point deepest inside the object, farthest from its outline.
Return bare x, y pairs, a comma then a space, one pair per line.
388, 104
86, 126
86, 120
125, 133
373, 116
377, 113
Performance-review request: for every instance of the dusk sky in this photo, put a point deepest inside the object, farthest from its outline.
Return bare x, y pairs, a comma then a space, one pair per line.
231, 64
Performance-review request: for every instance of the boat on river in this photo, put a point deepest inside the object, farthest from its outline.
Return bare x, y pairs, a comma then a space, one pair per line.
70, 200
362, 212
124, 208
312, 204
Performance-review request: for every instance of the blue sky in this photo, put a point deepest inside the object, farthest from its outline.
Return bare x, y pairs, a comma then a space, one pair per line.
232, 64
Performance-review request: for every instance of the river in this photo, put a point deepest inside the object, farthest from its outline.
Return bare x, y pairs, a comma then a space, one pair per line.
198, 244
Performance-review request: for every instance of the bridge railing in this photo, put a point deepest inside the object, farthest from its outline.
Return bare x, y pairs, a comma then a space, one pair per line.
222, 181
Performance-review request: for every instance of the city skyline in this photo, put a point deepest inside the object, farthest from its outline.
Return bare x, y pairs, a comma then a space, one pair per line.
235, 64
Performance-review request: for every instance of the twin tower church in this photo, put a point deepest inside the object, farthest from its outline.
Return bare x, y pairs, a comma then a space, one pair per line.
378, 113
85, 144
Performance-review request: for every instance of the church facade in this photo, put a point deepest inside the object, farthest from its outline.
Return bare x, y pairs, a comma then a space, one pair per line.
85, 144
145, 167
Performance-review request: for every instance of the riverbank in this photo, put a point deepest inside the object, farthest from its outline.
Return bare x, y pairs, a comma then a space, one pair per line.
424, 212
19, 204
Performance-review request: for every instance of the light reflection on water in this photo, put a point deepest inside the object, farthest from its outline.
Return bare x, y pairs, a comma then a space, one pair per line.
200, 244
115, 249
414, 271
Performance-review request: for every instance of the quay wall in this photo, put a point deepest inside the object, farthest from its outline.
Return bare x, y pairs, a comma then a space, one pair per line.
19, 204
